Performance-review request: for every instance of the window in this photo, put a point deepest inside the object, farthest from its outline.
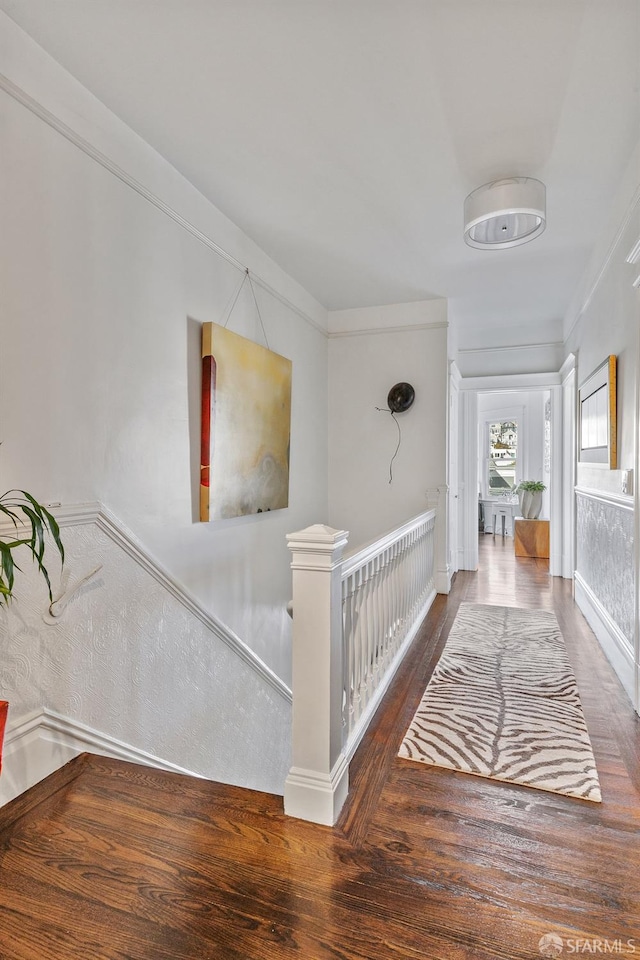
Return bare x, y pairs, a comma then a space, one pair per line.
503, 457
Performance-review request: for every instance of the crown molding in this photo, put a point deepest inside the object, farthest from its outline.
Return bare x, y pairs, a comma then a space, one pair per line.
454, 374
406, 328
634, 254
514, 382
554, 344
568, 367
633, 257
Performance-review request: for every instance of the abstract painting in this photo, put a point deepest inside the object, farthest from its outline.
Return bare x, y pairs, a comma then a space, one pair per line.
246, 426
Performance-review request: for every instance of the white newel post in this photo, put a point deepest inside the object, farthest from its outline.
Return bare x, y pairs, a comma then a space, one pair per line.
318, 781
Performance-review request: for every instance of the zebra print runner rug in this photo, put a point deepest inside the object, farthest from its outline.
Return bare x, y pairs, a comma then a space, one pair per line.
503, 703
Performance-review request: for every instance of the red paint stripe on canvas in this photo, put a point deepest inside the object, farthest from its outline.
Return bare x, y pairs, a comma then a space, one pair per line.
208, 387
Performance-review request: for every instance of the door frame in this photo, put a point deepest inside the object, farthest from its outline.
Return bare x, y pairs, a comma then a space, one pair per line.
560, 526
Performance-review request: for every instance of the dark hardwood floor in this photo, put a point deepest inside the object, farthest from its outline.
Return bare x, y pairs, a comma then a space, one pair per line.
110, 860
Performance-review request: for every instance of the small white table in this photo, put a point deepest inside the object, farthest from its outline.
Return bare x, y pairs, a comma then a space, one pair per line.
498, 515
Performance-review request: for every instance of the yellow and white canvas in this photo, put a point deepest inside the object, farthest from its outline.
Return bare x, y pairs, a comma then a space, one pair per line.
246, 426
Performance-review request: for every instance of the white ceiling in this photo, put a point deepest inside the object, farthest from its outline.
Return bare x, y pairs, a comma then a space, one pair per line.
344, 135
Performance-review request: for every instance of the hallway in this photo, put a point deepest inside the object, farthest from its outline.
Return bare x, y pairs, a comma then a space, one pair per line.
110, 860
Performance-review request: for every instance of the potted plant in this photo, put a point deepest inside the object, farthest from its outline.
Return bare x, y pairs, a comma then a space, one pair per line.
530, 498
31, 518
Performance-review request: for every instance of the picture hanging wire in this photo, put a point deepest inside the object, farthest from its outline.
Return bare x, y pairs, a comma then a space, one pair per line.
246, 276
232, 301
255, 300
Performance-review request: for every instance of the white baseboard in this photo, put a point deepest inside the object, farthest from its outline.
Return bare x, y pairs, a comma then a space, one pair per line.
617, 648
443, 577
567, 568
42, 741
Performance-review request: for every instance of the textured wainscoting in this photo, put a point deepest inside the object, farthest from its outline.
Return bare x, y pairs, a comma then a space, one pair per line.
135, 660
604, 575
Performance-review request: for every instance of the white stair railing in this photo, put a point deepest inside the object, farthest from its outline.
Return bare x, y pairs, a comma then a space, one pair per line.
386, 590
353, 621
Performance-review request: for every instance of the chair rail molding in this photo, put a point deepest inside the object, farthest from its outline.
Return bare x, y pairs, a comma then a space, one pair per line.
136, 659
95, 512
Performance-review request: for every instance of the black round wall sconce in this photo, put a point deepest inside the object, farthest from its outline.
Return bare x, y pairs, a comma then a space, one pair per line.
400, 397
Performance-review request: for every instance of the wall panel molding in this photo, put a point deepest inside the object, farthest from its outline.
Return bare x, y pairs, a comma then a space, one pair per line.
135, 661
615, 645
87, 513
605, 559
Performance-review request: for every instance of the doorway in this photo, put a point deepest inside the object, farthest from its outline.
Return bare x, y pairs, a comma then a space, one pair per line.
483, 400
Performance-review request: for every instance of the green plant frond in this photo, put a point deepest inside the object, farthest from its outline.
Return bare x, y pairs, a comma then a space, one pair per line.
54, 530
43, 571
37, 543
12, 544
8, 495
48, 521
18, 505
37, 531
532, 486
9, 513
7, 566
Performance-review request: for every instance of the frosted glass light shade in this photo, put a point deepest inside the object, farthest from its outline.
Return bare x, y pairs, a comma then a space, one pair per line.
505, 213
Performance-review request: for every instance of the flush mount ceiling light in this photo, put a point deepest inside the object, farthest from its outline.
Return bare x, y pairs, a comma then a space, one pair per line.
505, 213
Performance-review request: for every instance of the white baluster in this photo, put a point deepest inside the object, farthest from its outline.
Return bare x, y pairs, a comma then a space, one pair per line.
358, 643
347, 652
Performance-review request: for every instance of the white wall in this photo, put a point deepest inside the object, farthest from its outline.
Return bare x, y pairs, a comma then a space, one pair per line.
103, 292
134, 660
603, 319
370, 350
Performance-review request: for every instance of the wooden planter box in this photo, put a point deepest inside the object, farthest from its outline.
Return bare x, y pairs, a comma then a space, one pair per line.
531, 538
